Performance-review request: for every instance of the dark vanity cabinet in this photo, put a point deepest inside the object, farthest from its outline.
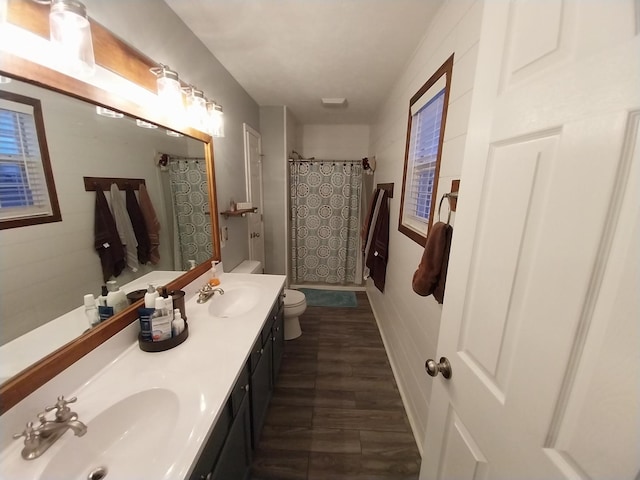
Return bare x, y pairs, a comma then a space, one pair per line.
265, 360
227, 454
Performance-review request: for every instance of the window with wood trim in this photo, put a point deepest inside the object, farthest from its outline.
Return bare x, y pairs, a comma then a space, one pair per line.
27, 191
425, 135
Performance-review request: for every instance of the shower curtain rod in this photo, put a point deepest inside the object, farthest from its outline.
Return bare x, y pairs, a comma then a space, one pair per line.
307, 160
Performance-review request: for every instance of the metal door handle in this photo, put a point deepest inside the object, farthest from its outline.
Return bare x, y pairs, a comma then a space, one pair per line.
257, 235
433, 368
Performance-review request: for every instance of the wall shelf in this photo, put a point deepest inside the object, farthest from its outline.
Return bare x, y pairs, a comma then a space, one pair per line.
238, 213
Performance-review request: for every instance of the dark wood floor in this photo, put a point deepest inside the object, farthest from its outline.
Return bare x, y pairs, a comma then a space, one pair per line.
336, 412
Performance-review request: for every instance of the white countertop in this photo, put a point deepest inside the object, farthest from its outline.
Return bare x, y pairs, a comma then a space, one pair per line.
200, 372
27, 349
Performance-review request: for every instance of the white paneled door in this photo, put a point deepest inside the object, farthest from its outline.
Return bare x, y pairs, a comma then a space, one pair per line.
253, 169
541, 319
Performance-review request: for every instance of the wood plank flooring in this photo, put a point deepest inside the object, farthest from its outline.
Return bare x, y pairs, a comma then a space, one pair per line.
336, 412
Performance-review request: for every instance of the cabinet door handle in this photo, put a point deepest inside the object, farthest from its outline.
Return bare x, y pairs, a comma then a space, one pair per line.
246, 387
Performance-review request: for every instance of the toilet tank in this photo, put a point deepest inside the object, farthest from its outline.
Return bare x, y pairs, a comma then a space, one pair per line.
248, 266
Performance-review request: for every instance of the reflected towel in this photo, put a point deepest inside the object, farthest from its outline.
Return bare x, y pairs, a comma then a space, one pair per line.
430, 277
139, 226
106, 240
378, 255
125, 229
152, 223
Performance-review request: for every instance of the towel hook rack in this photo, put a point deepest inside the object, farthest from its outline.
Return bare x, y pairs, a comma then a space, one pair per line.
449, 196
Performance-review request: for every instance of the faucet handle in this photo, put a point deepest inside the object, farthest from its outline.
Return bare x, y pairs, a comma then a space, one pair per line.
29, 433
62, 411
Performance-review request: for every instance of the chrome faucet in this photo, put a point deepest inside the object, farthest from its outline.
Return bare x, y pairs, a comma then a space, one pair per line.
207, 292
38, 439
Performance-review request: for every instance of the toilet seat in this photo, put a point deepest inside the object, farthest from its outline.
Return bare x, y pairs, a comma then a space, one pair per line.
293, 298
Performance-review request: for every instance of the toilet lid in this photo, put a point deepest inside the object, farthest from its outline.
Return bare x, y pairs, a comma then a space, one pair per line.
293, 298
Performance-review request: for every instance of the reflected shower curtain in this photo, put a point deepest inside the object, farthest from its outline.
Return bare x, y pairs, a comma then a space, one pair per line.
325, 206
192, 219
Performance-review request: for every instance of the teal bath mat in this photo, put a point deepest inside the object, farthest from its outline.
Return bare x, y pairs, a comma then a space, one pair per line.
329, 298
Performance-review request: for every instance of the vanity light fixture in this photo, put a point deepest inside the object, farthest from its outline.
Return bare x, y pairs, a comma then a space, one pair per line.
105, 112
71, 37
171, 133
216, 120
196, 108
143, 124
169, 89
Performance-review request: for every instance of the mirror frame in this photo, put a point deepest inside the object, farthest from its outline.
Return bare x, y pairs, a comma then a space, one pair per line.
117, 56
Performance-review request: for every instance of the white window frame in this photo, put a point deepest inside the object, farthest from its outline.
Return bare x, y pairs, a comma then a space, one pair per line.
33, 157
418, 201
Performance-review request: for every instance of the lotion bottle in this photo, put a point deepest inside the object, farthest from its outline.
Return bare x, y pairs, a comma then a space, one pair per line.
116, 298
102, 299
150, 297
90, 310
177, 325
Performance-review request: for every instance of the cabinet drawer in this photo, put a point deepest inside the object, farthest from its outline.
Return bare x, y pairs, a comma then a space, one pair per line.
240, 390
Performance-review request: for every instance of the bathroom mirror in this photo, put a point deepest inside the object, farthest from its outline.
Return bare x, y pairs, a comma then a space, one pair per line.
194, 144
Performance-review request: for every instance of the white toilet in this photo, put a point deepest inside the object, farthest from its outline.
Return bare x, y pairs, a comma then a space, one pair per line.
295, 303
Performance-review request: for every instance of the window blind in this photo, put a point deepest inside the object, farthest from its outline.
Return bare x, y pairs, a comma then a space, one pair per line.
423, 156
23, 188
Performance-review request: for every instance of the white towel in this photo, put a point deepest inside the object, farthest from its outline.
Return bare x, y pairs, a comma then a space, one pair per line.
125, 229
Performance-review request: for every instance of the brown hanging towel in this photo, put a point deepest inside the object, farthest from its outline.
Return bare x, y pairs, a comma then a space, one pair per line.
106, 239
139, 226
152, 224
431, 275
378, 255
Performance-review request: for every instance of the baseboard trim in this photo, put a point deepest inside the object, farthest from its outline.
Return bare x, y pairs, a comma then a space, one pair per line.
394, 369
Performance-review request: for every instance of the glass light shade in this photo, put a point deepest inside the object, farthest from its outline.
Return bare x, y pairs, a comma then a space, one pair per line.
71, 37
217, 121
105, 112
143, 124
169, 89
171, 133
197, 110
4, 79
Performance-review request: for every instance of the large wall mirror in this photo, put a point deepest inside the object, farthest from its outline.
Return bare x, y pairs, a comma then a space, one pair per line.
46, 269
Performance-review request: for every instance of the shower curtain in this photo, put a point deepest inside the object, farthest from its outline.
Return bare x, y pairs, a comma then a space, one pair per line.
192, 220
325, 206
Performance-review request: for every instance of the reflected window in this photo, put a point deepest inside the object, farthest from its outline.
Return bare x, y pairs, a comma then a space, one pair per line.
27, 190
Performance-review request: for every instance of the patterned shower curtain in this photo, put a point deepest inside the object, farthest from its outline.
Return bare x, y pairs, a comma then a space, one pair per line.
190, 193
325, 206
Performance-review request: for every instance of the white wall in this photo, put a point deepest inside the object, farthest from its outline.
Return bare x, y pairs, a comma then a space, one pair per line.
151, 27
333, 142
272, 130
56, 263
409, 323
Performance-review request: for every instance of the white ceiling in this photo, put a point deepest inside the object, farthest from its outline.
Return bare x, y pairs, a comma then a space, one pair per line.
294, 52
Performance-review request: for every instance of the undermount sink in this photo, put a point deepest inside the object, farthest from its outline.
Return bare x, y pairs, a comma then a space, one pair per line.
125, 439
237, 300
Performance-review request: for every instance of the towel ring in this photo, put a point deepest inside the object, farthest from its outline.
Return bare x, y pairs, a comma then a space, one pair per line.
448, 196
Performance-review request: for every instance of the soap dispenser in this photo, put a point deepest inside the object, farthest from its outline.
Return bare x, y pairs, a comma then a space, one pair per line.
214, 280
116, 298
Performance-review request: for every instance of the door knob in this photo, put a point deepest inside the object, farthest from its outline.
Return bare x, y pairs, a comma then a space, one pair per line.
433, 368
257, 235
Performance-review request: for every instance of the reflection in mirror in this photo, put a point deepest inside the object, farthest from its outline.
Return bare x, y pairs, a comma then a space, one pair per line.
45, 270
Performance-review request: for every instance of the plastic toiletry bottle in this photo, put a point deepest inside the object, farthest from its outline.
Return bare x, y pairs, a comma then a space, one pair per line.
116, 298
150, 297
214, 280
192, 264
168, 305
102, 299
90, 310
177, 325
160, 322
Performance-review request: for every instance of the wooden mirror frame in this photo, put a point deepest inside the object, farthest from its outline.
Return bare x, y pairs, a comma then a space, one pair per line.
115, 55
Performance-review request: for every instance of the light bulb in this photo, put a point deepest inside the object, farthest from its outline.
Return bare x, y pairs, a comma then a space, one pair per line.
71, 37
169, 90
